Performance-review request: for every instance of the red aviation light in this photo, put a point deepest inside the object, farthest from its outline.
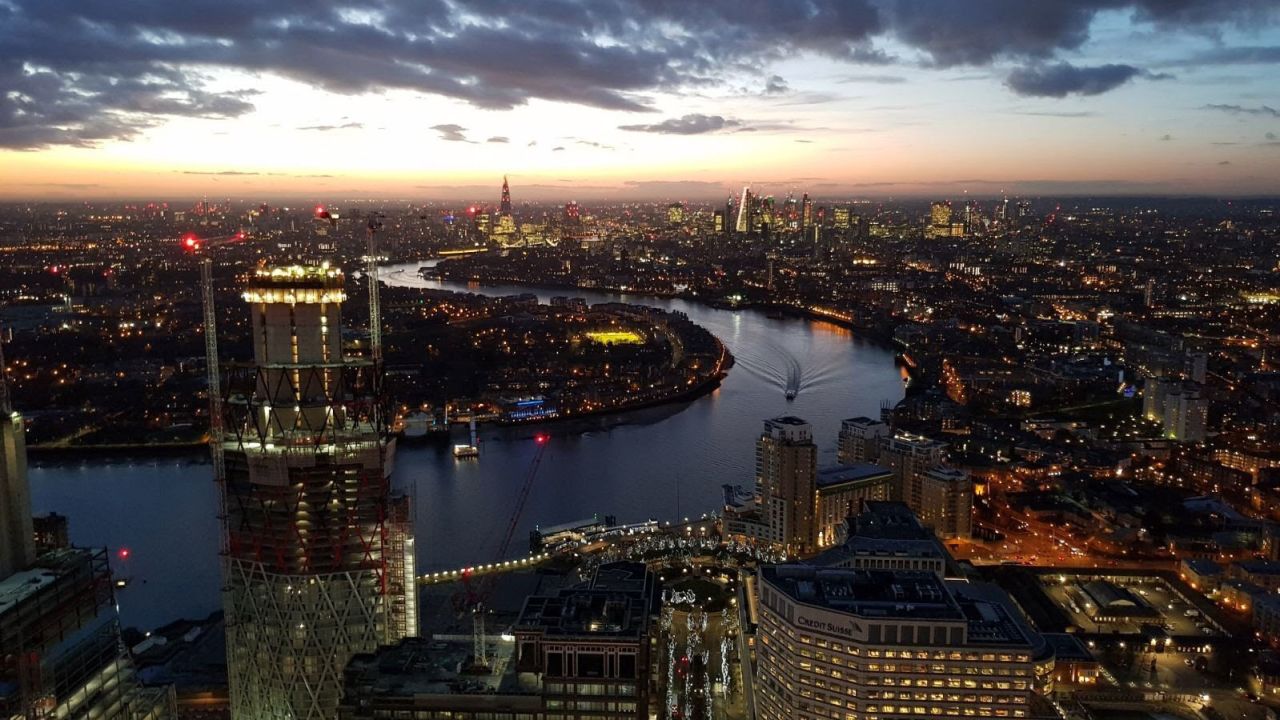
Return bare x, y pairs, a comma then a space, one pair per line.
124, 553
540, 439
190, 242
240, 235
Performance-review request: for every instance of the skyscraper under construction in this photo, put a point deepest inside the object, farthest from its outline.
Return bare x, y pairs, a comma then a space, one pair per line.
318, 551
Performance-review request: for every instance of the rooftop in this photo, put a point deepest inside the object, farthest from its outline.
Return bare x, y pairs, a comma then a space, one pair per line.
618, 601
423, 666
905, 594
847, 474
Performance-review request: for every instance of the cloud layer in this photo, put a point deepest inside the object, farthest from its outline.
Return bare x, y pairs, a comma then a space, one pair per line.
78, 72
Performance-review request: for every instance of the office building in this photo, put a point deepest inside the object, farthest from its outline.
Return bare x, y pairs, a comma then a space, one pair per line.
744, 222
859, 440
842, 490
581, 652
939, 220
786, 475
432, 679
589, 645
317, 554
853, 643
886, 536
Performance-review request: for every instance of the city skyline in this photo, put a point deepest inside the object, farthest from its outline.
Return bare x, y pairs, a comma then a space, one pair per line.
638, 101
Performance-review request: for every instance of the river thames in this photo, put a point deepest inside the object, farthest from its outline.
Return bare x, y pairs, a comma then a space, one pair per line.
662, 463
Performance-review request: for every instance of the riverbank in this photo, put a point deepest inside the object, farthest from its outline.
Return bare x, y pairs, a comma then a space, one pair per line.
870, 334
116, 451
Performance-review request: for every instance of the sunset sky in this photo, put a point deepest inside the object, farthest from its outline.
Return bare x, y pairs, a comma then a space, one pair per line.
159, 99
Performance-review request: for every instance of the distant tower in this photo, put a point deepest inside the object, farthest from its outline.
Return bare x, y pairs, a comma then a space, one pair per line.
317, 553
17, 538
806, 212
743, 224
505, 207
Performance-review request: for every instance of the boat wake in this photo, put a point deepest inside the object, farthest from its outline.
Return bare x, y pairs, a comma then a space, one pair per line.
774, 364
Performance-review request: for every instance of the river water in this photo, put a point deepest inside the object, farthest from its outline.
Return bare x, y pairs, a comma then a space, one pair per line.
661, 463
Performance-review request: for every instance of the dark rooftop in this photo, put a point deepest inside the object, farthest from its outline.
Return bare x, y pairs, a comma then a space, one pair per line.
618, 601
844, 474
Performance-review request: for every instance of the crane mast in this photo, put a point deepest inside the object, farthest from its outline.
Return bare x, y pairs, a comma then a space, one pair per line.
375, 305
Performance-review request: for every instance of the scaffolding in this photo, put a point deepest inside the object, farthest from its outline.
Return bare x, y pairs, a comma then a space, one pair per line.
60, 650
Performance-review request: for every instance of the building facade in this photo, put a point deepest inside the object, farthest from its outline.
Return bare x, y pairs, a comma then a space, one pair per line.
842, 490
589, 646
317, 556
786, 483
854, 644
859, 440
946, 502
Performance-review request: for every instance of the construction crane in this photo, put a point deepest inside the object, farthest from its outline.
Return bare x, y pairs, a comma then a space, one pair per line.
474, 596
194, 244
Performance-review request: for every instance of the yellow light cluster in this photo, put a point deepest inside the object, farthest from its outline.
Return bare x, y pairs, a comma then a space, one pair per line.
293, 296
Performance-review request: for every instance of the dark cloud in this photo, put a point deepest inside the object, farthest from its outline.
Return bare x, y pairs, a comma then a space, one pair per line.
1224, 162
692, 124
1063, 79
557, 148
219, 172
1166, 137
1246, 55
499, 139
775, 85
1261, 110
341, 126
451, 132
1271, 136
81, 72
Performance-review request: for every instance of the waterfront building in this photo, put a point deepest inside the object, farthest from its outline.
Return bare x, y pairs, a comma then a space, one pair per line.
841, 492
856, 643
859, 440
317, 551
786, 483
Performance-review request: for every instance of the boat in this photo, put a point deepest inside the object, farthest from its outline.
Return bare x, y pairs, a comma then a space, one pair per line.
791, 394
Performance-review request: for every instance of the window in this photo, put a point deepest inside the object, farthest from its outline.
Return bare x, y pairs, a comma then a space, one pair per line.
591, 665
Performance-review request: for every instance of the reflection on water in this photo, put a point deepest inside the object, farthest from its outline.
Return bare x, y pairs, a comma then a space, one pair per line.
660, 462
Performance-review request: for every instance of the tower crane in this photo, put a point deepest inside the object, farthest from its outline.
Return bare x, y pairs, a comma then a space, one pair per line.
474, 596
194, 245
